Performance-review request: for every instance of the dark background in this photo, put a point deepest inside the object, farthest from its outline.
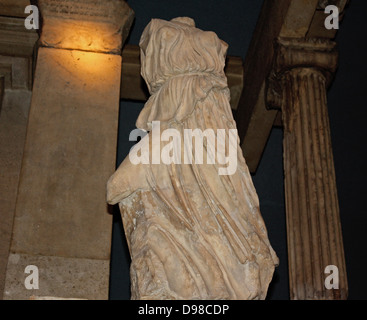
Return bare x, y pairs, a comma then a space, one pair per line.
234, 22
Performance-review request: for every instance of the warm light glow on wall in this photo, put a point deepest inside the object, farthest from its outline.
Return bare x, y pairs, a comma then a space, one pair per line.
89, 63
81, 35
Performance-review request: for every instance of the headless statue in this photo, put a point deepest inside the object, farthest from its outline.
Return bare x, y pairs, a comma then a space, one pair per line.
192, 233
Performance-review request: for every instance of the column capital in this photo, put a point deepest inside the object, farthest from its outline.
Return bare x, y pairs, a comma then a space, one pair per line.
313, 54
305, 53
88, 25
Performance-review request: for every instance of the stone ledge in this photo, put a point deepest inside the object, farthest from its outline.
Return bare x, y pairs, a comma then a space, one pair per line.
70, 278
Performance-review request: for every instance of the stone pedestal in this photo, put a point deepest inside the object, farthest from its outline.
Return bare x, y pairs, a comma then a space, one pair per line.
62, 224
302, 72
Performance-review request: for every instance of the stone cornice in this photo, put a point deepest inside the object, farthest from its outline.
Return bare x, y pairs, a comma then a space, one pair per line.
15, 39
88, 25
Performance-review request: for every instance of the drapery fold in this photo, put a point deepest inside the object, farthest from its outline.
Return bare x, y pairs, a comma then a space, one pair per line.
192, 233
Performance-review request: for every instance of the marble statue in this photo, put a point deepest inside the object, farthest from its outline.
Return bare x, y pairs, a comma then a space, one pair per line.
192, 232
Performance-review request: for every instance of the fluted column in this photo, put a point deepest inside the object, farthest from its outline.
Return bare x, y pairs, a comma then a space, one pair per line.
298, 85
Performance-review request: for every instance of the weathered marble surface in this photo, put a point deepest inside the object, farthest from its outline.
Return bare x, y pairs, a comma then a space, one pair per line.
192, 233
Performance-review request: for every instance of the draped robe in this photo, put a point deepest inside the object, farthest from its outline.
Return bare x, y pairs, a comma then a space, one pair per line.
192, 233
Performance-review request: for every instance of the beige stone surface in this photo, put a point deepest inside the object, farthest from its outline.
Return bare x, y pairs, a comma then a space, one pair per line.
69, 155
13, 124
58, 277
62, 223
192, 233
